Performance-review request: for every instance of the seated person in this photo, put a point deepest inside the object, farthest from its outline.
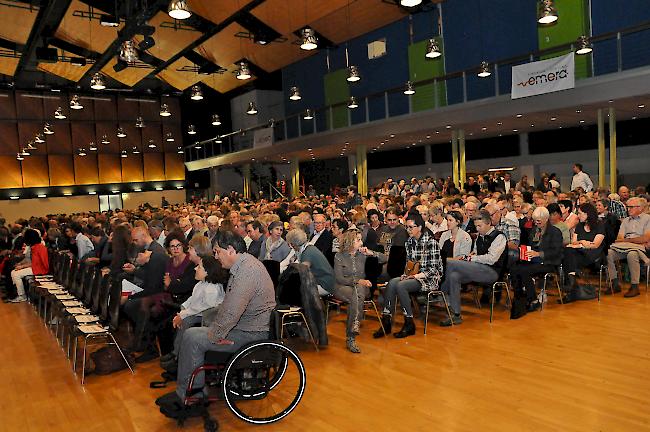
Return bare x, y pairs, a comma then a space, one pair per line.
634, 236
312, 257
423, 249
243, 317
611, 223
555, 216
84, 245
484, 265
255, 231
36, 264
352, 285
455, 242
274, 247
392, 237
586, 247
545, 256
339, 226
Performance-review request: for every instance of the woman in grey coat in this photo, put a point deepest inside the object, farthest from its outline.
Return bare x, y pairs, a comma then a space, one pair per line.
274, 247
455, 242
352, 286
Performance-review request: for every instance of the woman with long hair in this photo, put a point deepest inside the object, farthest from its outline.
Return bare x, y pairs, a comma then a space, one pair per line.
120, 240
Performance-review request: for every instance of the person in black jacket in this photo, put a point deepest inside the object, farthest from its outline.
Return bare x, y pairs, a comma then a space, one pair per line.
322, 237
545, 257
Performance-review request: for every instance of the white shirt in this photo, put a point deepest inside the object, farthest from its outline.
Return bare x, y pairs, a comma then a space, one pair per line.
581, 180
205, 295
506, 185
161, 239
187, 232
434, 227
84, 245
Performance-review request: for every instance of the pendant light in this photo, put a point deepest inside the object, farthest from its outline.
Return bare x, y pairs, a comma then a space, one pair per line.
484, 70
353, 74
584, 46
309, 114
309, 39
252, 109
410, 3
139, 122
121, 133
169, 137
25, 152
39, 138
547, 12
97, 82
30, 145
124, 154
197, 94
179, 10
152, 144
409, 90
164, 111
294, 94
47, 129
191, 130
105, 140
433, 49
216, 121
135, 150
19, 156
82, 152
197, 145
58, 114
92, 146
180, 150
75, 103
218, 139
128, 52
352, 104
243, 73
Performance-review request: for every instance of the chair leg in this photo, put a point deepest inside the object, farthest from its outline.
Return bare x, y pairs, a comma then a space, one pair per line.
282, 326
559, 290
121, 352
309, 330
374, 306
83, 360
444, 300
494, 287
74, 353
426, 314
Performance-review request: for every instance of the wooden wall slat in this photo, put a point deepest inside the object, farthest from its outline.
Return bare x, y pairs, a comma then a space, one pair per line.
82, 135
11, 176
153, 131
110, 168
7, 103
85, 169
35, 171
176, 131
61, 168
105, 110
9, 139
110, 130
174, 166
132, 170
61, 142
28, 106
154, 167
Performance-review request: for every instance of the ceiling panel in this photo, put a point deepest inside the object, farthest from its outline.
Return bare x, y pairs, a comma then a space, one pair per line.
17, 21
274, 55
83, 32
224, 48
363, 16
129, 76
287, 16
180, 79
65, 69
226, 81
169, 41
207, 9
8, 65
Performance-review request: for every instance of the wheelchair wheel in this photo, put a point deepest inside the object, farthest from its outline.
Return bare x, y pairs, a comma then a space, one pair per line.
264, 382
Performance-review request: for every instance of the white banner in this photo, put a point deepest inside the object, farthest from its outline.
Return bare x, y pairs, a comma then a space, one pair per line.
263, 138
544, 76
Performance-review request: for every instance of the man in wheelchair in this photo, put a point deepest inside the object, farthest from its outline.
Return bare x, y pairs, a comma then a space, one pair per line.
243, 317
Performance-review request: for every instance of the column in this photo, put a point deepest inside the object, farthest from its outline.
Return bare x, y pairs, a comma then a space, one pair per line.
602, 157
247, 180
295, 178
454, 158
613, 187
462, 168
362, 170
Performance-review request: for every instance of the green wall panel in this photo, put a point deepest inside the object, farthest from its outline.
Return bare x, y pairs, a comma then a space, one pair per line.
572, 23
337, 91
421, 69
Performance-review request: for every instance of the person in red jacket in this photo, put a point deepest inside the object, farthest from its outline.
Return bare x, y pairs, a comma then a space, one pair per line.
38, 264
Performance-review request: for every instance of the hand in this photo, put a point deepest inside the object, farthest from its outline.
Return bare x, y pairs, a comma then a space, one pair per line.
365, 282
143, 258
128, 267
167, 280
176, 322
533, 254
92, 260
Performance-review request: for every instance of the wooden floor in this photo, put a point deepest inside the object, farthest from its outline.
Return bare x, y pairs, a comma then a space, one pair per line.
579, 367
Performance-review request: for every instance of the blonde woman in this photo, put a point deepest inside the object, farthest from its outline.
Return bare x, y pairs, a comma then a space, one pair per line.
352, 286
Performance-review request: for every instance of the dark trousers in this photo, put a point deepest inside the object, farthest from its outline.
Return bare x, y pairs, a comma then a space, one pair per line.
139, 313
522, 274
575, 259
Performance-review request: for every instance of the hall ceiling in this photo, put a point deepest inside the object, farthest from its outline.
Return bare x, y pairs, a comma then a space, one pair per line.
218, 35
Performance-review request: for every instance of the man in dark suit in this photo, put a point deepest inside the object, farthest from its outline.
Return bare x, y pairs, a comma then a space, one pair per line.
186, 226
472, 186
505, 184
322, 237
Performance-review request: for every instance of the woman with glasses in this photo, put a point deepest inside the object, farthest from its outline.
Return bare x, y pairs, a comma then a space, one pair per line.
421, 249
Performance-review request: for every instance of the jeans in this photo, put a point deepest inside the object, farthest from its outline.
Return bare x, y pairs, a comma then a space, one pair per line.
187, 323
460, 272
402, 289
354, 296
194, 346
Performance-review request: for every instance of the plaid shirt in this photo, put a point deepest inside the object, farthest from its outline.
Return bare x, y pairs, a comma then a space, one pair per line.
427, 253
510, 229
618, 209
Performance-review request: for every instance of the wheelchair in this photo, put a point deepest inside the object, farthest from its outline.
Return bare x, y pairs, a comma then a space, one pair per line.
261, 383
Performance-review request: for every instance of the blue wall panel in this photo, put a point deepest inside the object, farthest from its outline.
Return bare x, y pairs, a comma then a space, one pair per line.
426, 25
308, 75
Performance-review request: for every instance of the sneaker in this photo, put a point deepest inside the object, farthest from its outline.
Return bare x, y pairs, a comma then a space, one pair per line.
542, 297
456, 318
19, 299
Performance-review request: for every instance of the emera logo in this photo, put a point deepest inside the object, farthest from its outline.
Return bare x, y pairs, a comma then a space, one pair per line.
544, 78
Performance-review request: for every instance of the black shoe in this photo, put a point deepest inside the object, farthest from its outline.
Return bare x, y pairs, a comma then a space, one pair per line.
533, 306
168, 398
455, 319
148, 355
407, 330
170, 366
167, 357
386, 322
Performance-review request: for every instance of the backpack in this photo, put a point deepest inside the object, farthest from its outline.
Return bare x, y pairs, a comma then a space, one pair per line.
108, 360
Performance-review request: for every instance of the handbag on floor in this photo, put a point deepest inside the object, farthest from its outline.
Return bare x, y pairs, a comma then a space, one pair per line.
108, 360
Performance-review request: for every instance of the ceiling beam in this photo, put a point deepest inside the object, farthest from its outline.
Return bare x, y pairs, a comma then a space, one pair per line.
11, 45
72, 48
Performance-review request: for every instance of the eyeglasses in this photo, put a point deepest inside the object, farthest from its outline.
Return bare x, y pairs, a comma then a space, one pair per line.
175, 245
633, 206
392, 220
410, 227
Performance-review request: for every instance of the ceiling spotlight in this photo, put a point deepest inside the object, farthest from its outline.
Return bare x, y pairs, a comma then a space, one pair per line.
121, 133
105, 140
92, 146
433, 50
243, 73
410, 3
252, 109
309, 114
152, 144
75, 103
547, 13
484, 70
124, 154
82, 152
169, 137
553, 118
19, 156
409, 90
218, 139
164, 111
191, 130
47, 129
216, 121
352, 104
294, 94
146, 43
128, 52
584, 46
30, 145
309, 39
139, 122
78, 61
519, 115
197, 145
39, 138
178, 9
641, 105
97, 82
109, 21
179, 150
197, 94
353, 74
58, 114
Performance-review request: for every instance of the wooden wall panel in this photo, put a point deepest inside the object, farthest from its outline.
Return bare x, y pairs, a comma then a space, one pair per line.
132, 169
82, 135
35, 171
105, 108
85, 169
154, 167
29, 105
177, 134
8, 138
174, 166
10, 169
110, 168
133, 137
110, 130
26, 132
128, 109
153, 131
88, 111
52, 102
61, 141
150, 110
8, 105
61, 169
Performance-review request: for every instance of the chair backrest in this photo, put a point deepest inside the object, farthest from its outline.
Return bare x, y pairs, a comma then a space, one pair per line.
114, 305
104, 298
73, 268
76, 280
273, 267
64, 269
100, 284
89, 285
